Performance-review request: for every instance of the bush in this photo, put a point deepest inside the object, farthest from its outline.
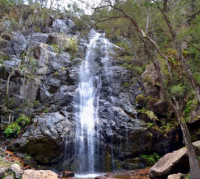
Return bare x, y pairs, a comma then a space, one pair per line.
12, 130
177, 90
152, 158
23, 120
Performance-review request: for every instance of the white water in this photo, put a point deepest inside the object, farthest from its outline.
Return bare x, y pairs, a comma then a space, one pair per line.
88, 90
87, 114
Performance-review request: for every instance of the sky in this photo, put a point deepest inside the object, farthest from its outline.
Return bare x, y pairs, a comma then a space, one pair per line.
83, 4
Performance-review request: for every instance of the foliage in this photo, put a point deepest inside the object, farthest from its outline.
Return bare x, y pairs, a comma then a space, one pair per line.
190, 106
152, 158
71, 46
9, 102
178, 90
23, 120
12, 130
149, 124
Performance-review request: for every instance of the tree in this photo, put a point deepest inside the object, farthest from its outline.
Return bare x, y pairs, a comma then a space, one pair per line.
124, 9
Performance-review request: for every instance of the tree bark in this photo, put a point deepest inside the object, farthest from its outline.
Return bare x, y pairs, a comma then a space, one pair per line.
194, 163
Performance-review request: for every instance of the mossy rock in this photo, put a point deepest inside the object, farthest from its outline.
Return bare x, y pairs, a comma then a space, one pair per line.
140, 100
43, 150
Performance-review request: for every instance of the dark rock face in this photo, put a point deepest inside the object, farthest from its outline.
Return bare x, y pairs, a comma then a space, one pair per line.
120, 135
43, 141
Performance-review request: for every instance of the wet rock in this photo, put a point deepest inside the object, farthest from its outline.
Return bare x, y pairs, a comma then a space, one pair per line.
16, 169
39, 174
68, 174
30, 161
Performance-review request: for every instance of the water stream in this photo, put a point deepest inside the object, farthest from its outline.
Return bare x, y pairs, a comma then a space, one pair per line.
86, 147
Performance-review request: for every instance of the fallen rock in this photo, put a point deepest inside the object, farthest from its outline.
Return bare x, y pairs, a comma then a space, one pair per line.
175, 176
174, 162
39, 174
68, 174
9, 177
16, 169
168, 164
3, 172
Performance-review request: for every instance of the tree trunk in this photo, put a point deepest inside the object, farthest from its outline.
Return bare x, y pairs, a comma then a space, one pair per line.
194, 163
165, 7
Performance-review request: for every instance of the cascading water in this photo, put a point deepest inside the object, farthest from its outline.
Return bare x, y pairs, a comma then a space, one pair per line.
88, 90
87, 114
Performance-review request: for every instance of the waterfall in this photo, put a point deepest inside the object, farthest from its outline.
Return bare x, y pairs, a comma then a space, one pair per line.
91, 70
87, 114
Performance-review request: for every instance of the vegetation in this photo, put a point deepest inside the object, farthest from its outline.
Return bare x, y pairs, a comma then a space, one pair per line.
161, 29
152, 158
14, 129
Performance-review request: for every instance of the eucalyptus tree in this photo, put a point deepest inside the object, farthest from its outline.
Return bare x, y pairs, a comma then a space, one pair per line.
138, 15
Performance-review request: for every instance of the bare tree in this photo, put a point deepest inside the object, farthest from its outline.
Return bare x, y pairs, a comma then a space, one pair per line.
146, 39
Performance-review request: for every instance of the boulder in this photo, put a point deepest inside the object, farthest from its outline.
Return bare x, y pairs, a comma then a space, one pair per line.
39, 174
60, 25
175, 176
174, 162
9, 177
16, 169
17, 45
3, 172
168, 164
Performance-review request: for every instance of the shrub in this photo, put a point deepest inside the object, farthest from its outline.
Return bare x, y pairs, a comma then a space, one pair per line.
152, 158
12, 130
71, 46
197, 77
149, 124
177, 90
23, 120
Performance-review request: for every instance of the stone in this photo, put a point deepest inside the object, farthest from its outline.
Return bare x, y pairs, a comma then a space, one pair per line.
175, 176
31, 162
45, 136
38, 37
12, 63
3, 171
39, 174
68, 174
17, 45
9, 177
60, 26
16, 169
176, 161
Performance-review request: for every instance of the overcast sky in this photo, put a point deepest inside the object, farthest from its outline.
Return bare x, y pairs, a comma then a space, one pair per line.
83, 4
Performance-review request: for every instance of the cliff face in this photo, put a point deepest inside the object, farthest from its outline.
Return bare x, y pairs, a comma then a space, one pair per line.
41, 71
